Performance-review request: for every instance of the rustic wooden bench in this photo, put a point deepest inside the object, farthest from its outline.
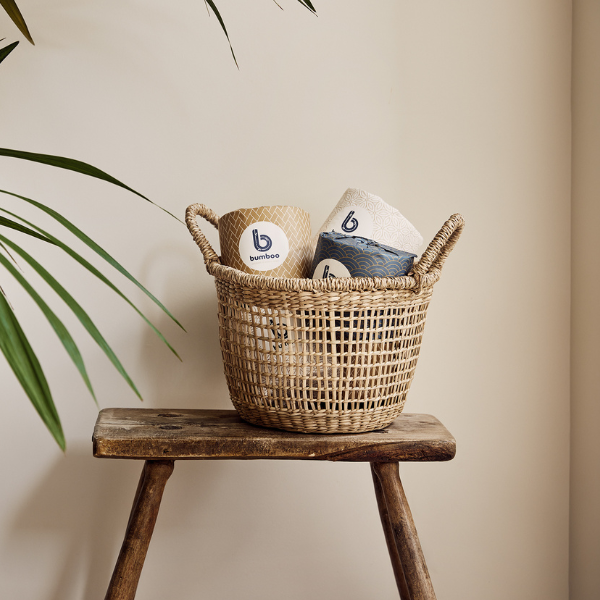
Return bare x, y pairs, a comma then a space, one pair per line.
161, 437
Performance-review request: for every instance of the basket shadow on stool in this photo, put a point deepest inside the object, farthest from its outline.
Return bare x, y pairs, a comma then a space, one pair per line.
325, 355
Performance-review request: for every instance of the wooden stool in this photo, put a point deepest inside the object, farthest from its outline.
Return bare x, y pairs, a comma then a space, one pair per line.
162, 436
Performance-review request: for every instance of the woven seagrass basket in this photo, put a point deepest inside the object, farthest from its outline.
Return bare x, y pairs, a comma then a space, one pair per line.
325, 355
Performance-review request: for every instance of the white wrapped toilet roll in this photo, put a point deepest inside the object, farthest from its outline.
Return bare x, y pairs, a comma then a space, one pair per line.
366, 215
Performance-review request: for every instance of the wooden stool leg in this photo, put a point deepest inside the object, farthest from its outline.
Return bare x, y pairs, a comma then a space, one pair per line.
399, 519
142, 519
390, 539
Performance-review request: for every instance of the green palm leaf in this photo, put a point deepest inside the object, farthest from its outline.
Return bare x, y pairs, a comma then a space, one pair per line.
82, 261
308, 5
78, 166
61, 331
4, 222
15, 14
4, 52
26, 367
5, 250
218, 15
92, 245
75, 308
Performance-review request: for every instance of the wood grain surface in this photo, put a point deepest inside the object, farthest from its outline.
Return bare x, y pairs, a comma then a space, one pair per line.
221, 434
398, 525
140, 527
390, 538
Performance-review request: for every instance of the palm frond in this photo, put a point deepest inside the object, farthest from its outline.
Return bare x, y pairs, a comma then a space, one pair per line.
90, 244
14, 13
76, 308
7, 252
4, 52
209, 3
25, 365
61, 331
4, 222
308, 4
72, 164
87, 265
220, 19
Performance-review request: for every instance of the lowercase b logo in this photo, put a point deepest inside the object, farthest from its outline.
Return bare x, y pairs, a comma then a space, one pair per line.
263, 246
329, 268
353, 220
350, 223
263, 238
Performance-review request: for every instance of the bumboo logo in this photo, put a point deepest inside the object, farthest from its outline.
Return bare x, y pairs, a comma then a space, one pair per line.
264, 238
353, 220
268, 243
263, 257
329, 268
350, 223
263, 246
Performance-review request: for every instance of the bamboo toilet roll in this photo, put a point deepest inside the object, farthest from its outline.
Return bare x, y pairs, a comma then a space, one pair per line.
268, 240
366, 215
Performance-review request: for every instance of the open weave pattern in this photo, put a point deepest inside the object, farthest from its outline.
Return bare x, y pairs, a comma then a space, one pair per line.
317, 364
322, 356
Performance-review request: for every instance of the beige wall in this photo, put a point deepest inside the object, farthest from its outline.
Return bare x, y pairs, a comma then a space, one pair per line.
585, 356
438, 107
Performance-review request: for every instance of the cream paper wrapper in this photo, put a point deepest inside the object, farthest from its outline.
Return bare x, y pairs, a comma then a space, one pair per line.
366, 215
268, 240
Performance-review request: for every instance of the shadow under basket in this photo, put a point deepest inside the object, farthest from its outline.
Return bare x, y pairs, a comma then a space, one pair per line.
323, 355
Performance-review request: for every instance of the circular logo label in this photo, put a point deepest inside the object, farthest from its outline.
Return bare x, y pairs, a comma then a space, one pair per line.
330, 268
353, 220
263, 246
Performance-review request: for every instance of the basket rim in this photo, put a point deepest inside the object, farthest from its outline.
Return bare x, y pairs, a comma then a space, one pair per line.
424, 274
412, 281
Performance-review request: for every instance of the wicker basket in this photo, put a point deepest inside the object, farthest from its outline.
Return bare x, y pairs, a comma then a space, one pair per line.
326, 355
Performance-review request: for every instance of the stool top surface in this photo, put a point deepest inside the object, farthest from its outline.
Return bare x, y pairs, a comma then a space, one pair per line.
147, 433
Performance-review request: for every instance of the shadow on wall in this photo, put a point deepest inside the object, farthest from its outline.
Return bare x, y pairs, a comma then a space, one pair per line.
76, 504
223, 526
83, 504
198, 381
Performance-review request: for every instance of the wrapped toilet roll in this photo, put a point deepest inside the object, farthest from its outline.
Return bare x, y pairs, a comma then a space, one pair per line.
363, 214
339, 255
268, 240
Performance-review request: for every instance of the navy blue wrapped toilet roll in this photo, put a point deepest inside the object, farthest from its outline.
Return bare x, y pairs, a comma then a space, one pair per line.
340, 255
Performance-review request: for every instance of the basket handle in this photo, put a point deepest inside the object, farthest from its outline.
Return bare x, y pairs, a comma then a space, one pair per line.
440, 247
190, 220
